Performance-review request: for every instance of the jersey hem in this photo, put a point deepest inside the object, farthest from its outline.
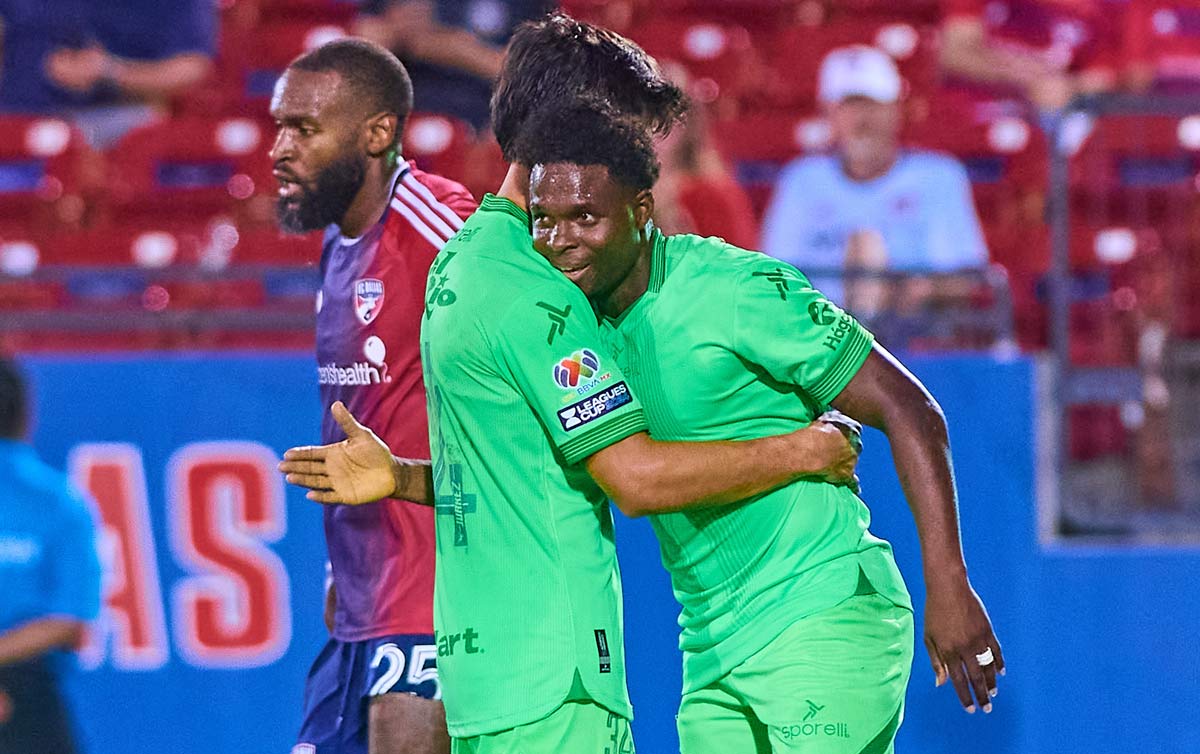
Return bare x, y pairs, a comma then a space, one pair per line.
764, 632
585, 445
835, 379
527, 717
379, 633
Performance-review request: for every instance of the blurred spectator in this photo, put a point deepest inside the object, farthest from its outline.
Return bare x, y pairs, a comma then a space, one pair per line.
109, 64
49, 583
870, 206
1162, 45
1045, 51
696, 192
451, 48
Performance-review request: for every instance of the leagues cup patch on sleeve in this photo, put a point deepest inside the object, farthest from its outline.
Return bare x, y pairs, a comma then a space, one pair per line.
593, 407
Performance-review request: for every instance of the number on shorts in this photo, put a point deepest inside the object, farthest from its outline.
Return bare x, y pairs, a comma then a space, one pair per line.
418, 673
394, 657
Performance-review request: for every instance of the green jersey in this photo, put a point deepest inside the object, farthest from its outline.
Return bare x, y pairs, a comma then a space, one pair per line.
527, 600
728, 344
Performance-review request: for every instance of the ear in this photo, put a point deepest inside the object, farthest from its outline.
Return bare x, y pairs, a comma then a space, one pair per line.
381, 133
643, 209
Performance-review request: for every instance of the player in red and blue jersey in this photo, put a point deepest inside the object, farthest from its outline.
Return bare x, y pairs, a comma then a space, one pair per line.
340, 111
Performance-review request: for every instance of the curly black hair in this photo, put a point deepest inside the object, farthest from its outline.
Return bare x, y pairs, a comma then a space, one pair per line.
589, 133
558, 59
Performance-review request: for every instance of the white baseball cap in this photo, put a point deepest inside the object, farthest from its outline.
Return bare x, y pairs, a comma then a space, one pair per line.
858, 70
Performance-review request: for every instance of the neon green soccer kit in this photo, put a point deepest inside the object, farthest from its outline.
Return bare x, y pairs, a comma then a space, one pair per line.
728, 344
527, 606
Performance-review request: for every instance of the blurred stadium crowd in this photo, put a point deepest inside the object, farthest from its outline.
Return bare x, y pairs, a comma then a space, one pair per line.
136, 195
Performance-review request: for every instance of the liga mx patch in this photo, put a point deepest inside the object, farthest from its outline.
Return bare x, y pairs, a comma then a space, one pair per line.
368, 299
580, 413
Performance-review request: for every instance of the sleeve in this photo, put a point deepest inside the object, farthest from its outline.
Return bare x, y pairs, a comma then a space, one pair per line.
956, 241
549, 344
75, 575
795, 334
783, 236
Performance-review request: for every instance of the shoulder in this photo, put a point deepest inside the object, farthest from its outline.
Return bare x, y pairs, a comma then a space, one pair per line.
436, 189
932, 164
723, 265
810, 167
428, 207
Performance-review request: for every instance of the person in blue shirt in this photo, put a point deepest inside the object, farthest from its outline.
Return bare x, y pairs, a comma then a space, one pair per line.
49, 583
107, 65
868, 204
452, 48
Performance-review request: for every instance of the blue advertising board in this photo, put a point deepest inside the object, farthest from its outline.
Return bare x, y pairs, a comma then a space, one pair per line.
214, 570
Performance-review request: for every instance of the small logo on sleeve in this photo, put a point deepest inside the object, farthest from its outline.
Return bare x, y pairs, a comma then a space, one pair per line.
602, 650
368, 299
581, 365
588, 410
558, 320
821, 313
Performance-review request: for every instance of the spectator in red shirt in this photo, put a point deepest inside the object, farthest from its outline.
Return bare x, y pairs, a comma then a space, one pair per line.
696, 192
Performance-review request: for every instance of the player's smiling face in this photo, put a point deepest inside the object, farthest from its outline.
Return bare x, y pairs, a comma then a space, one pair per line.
319, 163
587, 224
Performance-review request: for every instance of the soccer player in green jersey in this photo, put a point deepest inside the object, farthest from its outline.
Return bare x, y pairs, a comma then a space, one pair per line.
797, 629
533, 427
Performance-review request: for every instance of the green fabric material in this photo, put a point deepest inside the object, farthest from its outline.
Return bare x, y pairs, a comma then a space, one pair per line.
528, 593
728, 344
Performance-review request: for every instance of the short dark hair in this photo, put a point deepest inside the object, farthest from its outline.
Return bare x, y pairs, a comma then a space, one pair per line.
559, 59
584, 133
12, 400
376, 76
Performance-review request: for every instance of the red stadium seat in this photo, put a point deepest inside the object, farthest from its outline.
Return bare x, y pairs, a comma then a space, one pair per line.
47, 173
268, 48
268, 246
438, 144
190, 168
794, 55
719, 57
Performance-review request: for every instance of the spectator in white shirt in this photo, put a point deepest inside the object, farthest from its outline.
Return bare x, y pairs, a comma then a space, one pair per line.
870, 204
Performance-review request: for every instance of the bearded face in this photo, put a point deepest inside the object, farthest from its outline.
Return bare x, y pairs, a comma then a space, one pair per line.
310, 204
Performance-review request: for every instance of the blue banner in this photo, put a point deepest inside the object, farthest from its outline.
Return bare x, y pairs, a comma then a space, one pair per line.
215, 570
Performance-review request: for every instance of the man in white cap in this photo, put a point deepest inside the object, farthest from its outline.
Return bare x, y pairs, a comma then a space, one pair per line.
870, 205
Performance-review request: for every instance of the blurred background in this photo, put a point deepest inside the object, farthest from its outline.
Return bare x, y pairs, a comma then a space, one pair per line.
1016, 213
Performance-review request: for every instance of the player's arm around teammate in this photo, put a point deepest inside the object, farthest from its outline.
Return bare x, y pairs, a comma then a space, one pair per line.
958, 633
642, 476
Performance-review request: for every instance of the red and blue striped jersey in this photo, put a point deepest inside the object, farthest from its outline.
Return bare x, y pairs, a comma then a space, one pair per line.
368, 328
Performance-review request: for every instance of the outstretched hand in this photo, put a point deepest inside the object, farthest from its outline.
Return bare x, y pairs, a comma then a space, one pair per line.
354, 471
962, 644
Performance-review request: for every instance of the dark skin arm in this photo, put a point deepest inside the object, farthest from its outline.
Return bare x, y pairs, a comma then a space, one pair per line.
885, 395
37, 637
641, 475
644, 477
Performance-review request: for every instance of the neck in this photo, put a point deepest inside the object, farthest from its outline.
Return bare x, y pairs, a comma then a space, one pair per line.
515, 186
635, 283
372, 199
870, 167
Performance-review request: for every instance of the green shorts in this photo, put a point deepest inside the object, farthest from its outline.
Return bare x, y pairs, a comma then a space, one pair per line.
574, 728
832, 683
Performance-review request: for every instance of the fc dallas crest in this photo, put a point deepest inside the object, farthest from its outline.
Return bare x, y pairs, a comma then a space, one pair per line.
368, 299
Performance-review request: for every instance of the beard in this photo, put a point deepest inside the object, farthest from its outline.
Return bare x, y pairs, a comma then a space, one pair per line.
329, 199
